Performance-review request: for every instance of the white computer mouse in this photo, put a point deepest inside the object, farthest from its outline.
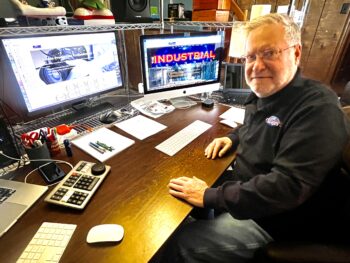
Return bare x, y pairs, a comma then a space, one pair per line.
105, 233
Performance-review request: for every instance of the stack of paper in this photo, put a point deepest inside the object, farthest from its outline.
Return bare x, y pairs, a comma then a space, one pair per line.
233, 116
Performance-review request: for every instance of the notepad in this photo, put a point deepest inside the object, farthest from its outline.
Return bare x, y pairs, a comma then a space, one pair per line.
234, 114
105, 136
140, 127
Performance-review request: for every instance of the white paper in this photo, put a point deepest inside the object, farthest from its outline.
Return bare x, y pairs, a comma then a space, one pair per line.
229, 123
282, 9
234, 114
152, 108
104, 135
140, 127
259, 10
237, 43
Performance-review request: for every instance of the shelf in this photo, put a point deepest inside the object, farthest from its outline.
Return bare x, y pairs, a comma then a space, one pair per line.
38, 30
203, 24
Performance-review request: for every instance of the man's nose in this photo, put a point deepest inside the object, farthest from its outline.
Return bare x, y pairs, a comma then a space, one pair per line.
259, 64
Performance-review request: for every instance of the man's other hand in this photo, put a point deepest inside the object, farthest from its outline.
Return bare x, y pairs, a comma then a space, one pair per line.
218, 147
189, 189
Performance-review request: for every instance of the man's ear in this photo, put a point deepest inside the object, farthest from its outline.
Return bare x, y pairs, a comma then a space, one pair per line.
297, 53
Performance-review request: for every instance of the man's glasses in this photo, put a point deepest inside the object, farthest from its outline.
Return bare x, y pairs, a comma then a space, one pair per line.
266, 55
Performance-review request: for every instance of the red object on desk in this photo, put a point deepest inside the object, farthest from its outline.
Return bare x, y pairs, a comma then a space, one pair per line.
63, 129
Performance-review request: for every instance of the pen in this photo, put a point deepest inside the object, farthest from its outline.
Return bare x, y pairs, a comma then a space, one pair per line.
96, 147
105, 146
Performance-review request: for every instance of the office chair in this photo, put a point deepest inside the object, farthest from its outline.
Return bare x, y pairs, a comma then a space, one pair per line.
307, 251
345, 96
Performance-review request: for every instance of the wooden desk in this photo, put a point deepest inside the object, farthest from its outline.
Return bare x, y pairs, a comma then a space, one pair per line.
134, 195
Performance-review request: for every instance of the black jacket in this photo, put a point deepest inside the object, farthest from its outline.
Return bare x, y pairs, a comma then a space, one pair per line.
286, 174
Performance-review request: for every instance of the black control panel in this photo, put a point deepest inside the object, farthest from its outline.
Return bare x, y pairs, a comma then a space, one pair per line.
79, 185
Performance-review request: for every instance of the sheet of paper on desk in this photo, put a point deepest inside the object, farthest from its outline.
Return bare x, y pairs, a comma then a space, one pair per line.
234, 114
140, 127
105, 136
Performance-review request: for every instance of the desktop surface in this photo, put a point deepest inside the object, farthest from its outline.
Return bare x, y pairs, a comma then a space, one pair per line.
134, 195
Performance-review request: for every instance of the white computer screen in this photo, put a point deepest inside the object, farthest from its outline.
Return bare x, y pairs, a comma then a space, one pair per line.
56, 70
180, 61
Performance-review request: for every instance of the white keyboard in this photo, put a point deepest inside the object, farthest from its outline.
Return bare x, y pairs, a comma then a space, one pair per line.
183, 137
48, 243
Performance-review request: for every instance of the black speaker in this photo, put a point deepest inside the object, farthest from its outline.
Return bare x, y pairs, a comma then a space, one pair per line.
131, 10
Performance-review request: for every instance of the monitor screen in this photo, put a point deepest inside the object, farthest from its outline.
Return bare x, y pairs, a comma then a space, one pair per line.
182, 64
52, 71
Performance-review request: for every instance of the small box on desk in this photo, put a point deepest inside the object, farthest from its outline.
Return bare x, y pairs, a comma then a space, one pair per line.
211, 15
211, 4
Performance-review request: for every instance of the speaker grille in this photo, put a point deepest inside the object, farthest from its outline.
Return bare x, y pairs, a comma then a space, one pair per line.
137, 5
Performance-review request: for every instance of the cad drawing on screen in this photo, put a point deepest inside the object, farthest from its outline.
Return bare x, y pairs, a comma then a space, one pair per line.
63, 69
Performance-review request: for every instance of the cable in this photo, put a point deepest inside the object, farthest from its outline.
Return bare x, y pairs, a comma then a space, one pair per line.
51, 160
37, 160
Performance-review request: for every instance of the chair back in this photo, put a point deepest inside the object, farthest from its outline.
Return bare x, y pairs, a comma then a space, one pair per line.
346, 151
345, 96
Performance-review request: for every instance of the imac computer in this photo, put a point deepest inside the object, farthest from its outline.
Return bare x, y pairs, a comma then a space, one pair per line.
180, 64
59, 70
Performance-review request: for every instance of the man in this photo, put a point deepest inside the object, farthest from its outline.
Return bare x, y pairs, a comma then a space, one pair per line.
285, 181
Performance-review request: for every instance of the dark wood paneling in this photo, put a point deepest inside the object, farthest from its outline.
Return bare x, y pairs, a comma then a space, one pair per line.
309, 29
324, 45
133, 57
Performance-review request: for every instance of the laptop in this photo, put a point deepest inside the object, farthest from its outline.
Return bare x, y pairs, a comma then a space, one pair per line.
15, 199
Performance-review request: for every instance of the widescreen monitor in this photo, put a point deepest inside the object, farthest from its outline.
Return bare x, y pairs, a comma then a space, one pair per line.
181, 64
57, 70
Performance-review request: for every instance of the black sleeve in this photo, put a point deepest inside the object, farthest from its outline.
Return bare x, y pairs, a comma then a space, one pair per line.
234, 138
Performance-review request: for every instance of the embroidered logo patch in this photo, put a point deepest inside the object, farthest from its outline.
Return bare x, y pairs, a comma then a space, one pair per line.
273, 121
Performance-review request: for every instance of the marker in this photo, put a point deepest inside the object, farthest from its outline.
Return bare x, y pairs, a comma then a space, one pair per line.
105, 146
96, 147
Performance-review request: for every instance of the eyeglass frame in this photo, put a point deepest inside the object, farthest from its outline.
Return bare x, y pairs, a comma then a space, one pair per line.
263, 54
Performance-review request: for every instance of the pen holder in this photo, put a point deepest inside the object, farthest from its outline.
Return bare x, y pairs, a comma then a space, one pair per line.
41, 152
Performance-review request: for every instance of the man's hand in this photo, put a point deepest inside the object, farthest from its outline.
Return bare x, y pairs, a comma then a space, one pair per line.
188, 189
218, 147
